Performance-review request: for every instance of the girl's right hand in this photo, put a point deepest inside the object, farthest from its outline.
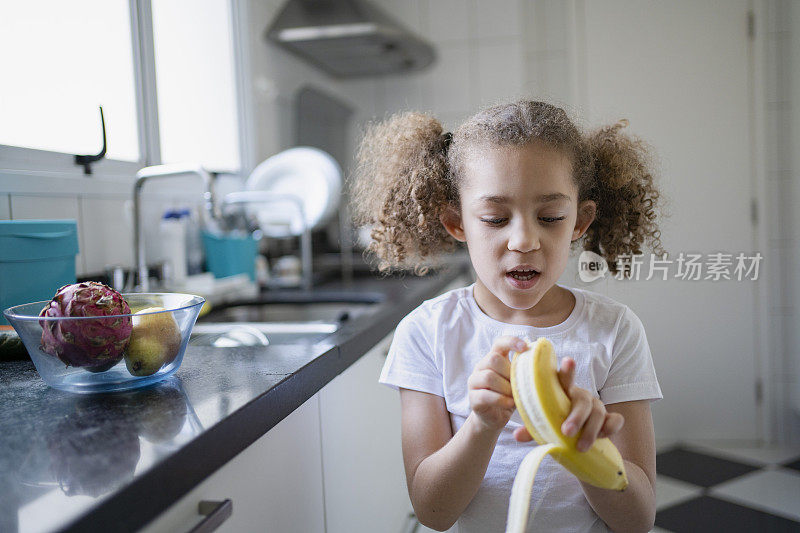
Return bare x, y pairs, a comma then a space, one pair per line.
489, 385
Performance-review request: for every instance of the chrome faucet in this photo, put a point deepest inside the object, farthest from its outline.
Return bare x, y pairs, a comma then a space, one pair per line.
165, 171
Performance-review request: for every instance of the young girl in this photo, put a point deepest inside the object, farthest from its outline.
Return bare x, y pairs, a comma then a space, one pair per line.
519, 184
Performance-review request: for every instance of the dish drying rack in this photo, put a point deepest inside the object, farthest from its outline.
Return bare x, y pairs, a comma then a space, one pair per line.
266, 197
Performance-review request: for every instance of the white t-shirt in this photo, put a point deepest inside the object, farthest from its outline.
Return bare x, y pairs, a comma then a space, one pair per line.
436, 347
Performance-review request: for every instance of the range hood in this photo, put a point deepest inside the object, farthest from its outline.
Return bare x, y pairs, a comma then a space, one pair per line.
348, 38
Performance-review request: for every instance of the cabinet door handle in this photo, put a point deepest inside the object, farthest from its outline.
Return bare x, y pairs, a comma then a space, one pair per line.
215, 514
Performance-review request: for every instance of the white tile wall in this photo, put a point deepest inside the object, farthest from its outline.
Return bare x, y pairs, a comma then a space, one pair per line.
556, 86
498, 18
269, 138
287, 132
277, 75
777, 44
450, 121
402, 93
408, 13
773, 217
447, 86
108, 240
488, 52
501, 71
361, 95
448, 20
547, 78
51, 208
554, 19
545, 25
533, 26
379, 97
5, 207
777, 19
535, 82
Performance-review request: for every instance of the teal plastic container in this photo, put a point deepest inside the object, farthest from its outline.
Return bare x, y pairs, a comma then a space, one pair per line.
230, 255
37, 257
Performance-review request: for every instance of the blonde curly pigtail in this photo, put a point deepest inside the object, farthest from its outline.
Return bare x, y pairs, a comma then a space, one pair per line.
401, 186
621, 183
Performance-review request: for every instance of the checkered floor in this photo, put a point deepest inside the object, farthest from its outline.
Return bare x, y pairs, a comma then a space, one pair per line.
708, 488
701, 487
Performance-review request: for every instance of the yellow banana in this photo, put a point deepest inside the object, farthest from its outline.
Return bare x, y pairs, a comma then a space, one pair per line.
543, 406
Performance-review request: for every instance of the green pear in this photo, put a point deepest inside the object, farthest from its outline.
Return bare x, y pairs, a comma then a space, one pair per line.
155, 341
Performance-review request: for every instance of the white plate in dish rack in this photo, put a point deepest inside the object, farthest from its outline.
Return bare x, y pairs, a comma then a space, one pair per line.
308, 173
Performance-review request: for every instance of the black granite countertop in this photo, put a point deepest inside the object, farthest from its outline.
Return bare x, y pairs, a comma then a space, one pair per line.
113, 462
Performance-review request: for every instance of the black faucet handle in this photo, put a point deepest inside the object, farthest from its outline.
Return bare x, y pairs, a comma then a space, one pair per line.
87, 160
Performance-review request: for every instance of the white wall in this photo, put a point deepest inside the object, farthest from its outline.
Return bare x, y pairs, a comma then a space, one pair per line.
782, 122
793, 219
276, 75
488, 52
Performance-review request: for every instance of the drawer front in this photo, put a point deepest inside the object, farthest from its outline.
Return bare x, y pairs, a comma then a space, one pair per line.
274, 485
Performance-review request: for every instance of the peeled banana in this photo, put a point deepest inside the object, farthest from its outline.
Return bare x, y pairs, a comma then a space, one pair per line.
543, 406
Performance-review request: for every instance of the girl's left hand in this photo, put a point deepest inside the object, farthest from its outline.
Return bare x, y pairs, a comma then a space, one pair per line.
588, 414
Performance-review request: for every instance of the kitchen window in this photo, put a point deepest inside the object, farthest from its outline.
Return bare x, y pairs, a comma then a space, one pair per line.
164, 72
60, 61
195, 82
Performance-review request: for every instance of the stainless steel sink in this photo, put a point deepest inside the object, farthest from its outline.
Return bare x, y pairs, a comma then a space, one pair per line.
275, 323
232, 334
288, 312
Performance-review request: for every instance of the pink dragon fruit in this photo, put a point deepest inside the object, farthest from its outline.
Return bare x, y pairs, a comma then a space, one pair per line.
97, 344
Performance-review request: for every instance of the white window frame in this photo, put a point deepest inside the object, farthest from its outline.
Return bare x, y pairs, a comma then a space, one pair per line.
35, 162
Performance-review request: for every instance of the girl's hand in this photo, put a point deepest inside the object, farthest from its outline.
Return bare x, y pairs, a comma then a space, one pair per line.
588, 414
489, 385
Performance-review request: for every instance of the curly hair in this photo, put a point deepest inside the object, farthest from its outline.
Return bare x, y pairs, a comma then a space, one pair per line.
407, 175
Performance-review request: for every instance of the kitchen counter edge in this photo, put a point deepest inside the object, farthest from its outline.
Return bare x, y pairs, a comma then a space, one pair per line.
142, 500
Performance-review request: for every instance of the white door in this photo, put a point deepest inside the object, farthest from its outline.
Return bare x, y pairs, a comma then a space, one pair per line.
678, 70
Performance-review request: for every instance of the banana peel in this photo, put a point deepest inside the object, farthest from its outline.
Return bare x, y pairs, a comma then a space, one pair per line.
543, 406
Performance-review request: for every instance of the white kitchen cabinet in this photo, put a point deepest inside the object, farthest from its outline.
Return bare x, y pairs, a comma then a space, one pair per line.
275, 484
362, 455
365, 484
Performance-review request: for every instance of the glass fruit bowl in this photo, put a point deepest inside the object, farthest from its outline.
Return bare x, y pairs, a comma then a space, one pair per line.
62, 348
